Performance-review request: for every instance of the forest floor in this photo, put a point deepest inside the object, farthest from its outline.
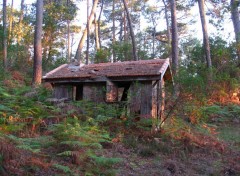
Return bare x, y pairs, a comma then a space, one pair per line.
41, 139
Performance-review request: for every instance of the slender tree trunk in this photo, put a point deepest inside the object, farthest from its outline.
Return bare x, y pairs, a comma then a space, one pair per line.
125, 27
10, 25
37, 65
5, 34
68, 41
83, 38
68, 37
20, 27
88, 31
21, 10
114, 31
134, 49
236, 24
96, 32
121, 31
153, 40
205, 33
71, 45
99, 24
175, 51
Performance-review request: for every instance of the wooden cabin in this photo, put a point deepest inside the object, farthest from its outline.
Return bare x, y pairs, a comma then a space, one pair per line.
138, 83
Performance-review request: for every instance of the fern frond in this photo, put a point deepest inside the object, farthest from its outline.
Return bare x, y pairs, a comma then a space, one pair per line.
63, 168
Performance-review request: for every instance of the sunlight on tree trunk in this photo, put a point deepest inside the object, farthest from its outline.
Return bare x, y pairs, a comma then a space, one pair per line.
205, 35
175, 51
236, 24
96, 32
37, 66
68, 38
113, 31
5, 34
10, 31
88, 34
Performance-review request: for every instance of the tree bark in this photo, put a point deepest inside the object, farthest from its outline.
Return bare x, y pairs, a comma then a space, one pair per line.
99, 21
96, 32
20, 27
68, 37
83, 38
114, 31
88, 31
236, 24
37, 65
10, 25
205, 33
134, 49
175, 50
5, 34
21, 10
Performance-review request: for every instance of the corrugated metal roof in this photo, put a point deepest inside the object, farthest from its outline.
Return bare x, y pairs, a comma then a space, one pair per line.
152, 67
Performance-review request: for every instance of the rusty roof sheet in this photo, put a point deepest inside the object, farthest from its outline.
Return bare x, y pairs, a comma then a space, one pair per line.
152, 67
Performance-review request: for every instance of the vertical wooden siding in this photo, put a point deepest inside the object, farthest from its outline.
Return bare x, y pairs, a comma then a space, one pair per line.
62, 91
140, 98
94, 92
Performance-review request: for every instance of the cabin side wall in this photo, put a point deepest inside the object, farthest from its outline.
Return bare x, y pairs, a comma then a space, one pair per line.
62, 91
140, 98
94, 92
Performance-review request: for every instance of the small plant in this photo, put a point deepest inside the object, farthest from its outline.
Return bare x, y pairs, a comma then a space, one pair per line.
60, 167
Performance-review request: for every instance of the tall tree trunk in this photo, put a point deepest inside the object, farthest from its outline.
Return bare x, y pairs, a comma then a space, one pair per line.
21, 12
114, 31
88, 33
134, 49
153, 41
236, 24
5, 34
205, 33
175, 51
125, 27
83, 38
96, 32
68, 37
37, 65
99, 24
10, 25
20, 27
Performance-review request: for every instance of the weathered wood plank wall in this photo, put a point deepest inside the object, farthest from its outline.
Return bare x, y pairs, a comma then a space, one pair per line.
94, 92
62, 91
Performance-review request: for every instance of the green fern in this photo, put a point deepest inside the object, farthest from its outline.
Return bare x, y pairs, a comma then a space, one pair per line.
31, 144
63, 168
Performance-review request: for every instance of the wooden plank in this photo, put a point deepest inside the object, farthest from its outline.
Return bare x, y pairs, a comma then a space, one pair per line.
94, 92
62, 91
134, 98
140, 99
146, 99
